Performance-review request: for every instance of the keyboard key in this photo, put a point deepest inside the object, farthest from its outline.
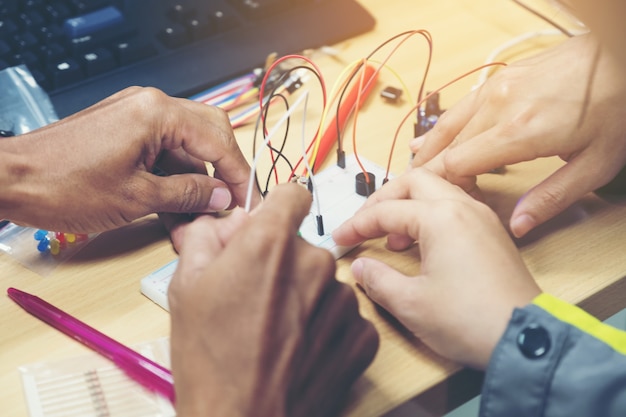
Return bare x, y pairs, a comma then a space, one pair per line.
92, 22
7, 27
31, 19
5, 49
223, 20
104, 37
65, 73
57, 12
24, 41
26, 58
97, 62
180, 12
51, 53
133, 50
174, 36
199, 28
50, 33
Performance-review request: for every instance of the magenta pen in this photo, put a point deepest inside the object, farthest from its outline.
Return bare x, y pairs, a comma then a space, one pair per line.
143, 370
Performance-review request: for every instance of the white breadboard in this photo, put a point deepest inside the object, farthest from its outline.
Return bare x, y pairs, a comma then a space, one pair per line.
338, 201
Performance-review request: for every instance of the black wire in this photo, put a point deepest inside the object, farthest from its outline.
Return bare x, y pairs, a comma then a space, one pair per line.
282, 146
283, 77
279, 152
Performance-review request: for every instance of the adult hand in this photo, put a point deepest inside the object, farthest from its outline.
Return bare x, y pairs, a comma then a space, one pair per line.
93, 171
260, 326
471, 277
569, 101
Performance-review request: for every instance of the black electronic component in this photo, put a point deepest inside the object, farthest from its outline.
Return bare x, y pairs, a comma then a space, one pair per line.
427, 117
391, 94
364, 187
6, 133
341, 158
320, 225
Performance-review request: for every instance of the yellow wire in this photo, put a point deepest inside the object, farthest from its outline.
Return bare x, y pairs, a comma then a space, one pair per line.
334, 96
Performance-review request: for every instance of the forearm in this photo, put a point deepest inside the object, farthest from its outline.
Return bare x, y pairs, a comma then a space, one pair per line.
582, 371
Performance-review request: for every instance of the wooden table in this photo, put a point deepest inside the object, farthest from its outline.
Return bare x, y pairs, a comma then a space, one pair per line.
579, 256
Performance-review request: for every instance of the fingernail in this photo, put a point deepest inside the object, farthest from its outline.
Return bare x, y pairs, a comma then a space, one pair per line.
522, 224
416, 143
357, 270
220, 199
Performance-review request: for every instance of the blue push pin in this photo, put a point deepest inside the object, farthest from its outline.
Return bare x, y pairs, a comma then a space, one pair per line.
44, 241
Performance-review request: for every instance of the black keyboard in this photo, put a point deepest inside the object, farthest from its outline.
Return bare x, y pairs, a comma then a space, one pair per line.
81, 51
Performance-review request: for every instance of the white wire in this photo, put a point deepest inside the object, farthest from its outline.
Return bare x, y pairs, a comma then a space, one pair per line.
484, 74
267, 140
305, 158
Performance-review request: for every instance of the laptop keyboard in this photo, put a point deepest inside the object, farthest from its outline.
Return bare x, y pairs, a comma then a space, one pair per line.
81, 51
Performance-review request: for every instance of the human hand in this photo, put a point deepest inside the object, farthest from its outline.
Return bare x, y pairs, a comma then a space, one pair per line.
93, 171
471, 278
556, 103
259, 324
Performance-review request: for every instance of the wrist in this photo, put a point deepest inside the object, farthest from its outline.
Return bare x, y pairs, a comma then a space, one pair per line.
17, 170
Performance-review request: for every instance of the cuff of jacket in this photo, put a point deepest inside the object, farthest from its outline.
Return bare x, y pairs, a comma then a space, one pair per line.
522, 364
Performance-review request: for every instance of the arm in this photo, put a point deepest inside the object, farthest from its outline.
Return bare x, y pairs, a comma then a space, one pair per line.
579, 365
260, 326
569, 101
93, 171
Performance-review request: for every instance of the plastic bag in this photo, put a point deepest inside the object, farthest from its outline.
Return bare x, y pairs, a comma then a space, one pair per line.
24, 105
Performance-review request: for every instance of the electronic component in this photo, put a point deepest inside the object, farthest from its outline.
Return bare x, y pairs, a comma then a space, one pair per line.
365, 186
391, 94
337, 200
428, 116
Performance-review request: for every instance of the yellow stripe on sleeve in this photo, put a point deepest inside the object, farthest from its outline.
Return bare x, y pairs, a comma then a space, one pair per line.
582, 320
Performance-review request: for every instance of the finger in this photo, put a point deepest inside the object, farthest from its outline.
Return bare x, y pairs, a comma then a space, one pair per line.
448, 126
206, 236
285, 206
493, 148
189, 193
207, 135
467, 183
375, 221
417, 183
385, 286
553, 195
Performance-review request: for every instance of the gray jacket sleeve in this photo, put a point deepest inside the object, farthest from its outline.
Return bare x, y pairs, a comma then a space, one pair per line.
544, 367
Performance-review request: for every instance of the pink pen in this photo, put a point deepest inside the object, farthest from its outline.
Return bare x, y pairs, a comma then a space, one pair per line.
148, 373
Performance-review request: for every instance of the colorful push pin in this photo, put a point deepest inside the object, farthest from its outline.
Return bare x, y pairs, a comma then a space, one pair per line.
70, 237
43, 245
55, 246
40, 234
61, 238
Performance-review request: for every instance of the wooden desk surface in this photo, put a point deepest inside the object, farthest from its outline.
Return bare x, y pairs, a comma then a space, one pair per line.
579, 256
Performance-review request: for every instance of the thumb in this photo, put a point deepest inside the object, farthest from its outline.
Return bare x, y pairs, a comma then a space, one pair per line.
553, 195
383, 284
191, 193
